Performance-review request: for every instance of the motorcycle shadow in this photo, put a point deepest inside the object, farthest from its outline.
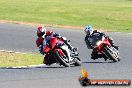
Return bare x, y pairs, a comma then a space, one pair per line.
37, 67
30, 67
51, 67
98, 62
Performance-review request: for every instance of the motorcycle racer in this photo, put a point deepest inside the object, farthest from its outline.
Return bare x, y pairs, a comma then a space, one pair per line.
42, 34
89, 33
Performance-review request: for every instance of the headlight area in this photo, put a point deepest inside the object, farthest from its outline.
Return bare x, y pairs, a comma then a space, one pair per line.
98, 43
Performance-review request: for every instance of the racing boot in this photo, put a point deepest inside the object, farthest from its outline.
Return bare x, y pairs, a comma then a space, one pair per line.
116, 47
48, 60
95, 55
112, 43
70, 46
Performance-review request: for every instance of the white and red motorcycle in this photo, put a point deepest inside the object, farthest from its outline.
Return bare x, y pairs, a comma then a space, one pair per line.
57, 52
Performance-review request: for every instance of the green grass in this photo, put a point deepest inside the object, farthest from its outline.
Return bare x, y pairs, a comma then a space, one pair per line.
112, 15
19, 59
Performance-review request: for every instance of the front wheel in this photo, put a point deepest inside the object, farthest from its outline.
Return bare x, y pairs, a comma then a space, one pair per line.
111, 55
77, 62
63, 60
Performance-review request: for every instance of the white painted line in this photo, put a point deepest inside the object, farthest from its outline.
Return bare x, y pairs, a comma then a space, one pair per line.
11, 51
119, 33
28, 66
122, 33
130, 33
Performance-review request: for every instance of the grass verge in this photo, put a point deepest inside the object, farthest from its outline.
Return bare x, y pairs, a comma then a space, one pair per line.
113, 15
8, 59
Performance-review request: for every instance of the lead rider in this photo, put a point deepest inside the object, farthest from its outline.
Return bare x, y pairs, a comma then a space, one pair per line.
42, 34
89, 33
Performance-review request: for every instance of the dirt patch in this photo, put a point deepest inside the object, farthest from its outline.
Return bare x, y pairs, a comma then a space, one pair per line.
36, 24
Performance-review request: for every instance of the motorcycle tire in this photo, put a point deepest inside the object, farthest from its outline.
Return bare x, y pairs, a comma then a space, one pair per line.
108, 53
61, 60
77, 62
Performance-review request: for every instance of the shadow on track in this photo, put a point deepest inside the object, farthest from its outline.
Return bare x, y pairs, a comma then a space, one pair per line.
98, 62
28, 67
35, 67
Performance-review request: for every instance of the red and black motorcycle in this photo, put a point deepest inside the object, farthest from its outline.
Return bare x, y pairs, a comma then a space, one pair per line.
103, 46
57, 52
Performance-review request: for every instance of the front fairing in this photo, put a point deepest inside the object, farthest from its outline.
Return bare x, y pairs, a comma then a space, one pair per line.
103, 42
53, 42
98, 42
46, 49
49, 43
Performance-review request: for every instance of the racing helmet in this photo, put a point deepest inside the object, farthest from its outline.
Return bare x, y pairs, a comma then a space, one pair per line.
88, 30
41, 31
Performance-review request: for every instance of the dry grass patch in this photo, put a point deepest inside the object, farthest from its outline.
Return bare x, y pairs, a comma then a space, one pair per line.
19, 59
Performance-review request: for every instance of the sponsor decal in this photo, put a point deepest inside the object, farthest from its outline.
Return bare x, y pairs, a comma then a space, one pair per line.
85, 81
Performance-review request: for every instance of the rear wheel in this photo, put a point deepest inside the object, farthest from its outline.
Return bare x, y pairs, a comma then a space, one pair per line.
110, 55
63, 60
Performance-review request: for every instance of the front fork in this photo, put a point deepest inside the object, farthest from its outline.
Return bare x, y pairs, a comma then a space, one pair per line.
67, 52
113, 51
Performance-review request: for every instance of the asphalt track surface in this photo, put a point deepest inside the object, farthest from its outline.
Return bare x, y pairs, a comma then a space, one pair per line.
22, 38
